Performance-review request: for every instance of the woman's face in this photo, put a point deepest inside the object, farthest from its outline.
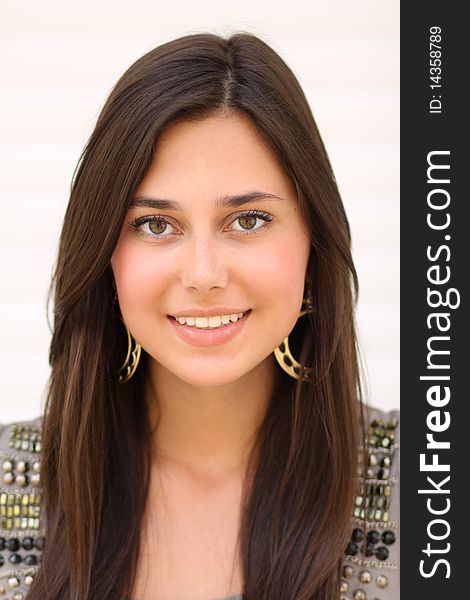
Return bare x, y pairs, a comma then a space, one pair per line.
208, 251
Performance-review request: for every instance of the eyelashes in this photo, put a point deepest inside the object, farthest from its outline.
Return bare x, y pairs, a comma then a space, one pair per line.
144, 222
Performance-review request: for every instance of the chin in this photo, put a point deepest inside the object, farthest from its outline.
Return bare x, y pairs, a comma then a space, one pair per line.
210, 372
207, 380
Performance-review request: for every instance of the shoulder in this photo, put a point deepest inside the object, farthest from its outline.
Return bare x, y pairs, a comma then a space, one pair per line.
21, 531
371, 562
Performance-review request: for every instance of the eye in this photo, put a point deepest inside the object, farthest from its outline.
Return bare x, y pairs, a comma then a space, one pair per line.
153, 226
248, 221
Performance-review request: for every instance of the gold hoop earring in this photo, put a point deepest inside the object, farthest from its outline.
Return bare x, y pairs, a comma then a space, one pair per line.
284, 356
131, 362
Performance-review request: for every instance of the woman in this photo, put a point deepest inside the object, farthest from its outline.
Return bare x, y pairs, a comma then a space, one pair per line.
206, 243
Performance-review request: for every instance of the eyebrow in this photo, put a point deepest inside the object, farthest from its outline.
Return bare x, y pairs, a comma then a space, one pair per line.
225, 201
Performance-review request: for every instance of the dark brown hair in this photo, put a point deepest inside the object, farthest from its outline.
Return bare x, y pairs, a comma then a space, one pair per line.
96, 435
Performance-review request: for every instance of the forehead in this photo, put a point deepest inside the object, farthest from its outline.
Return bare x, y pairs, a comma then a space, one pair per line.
211, 157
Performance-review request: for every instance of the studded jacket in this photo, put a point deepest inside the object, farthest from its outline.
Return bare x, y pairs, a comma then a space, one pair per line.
370, 569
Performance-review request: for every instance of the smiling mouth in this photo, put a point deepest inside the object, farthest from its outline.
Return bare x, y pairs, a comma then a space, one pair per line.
210, 322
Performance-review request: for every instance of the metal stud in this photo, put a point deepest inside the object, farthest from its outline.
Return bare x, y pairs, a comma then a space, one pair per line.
21, 466
381, 581
348, 571
8, 478
7, 465
365, 576
359, 595
13, 582
21, 480
385, 474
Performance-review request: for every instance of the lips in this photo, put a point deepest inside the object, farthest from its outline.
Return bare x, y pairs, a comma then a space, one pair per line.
208, 336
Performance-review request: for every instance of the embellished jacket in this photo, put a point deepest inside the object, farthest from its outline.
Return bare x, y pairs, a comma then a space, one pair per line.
370, 569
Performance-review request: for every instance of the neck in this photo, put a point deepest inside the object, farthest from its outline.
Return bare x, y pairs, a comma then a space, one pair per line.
208, 431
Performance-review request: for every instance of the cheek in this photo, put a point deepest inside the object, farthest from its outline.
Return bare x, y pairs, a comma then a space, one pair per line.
140, 279
282, 266
281, 272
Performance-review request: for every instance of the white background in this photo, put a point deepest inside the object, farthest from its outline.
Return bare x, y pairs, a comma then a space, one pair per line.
59, 61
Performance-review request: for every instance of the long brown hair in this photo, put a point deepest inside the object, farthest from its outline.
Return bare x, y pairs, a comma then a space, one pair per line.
297, 509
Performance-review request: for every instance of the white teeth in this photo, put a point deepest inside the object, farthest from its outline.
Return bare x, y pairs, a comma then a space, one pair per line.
215, 321
209, 322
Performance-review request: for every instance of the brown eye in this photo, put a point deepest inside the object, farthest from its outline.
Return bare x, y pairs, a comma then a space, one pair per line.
153, 227
247, 222
157, 226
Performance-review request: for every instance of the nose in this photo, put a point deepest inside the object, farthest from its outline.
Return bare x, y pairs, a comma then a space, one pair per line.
204, 265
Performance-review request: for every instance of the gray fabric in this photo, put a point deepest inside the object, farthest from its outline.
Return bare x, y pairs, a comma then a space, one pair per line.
377, 570
390, 568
